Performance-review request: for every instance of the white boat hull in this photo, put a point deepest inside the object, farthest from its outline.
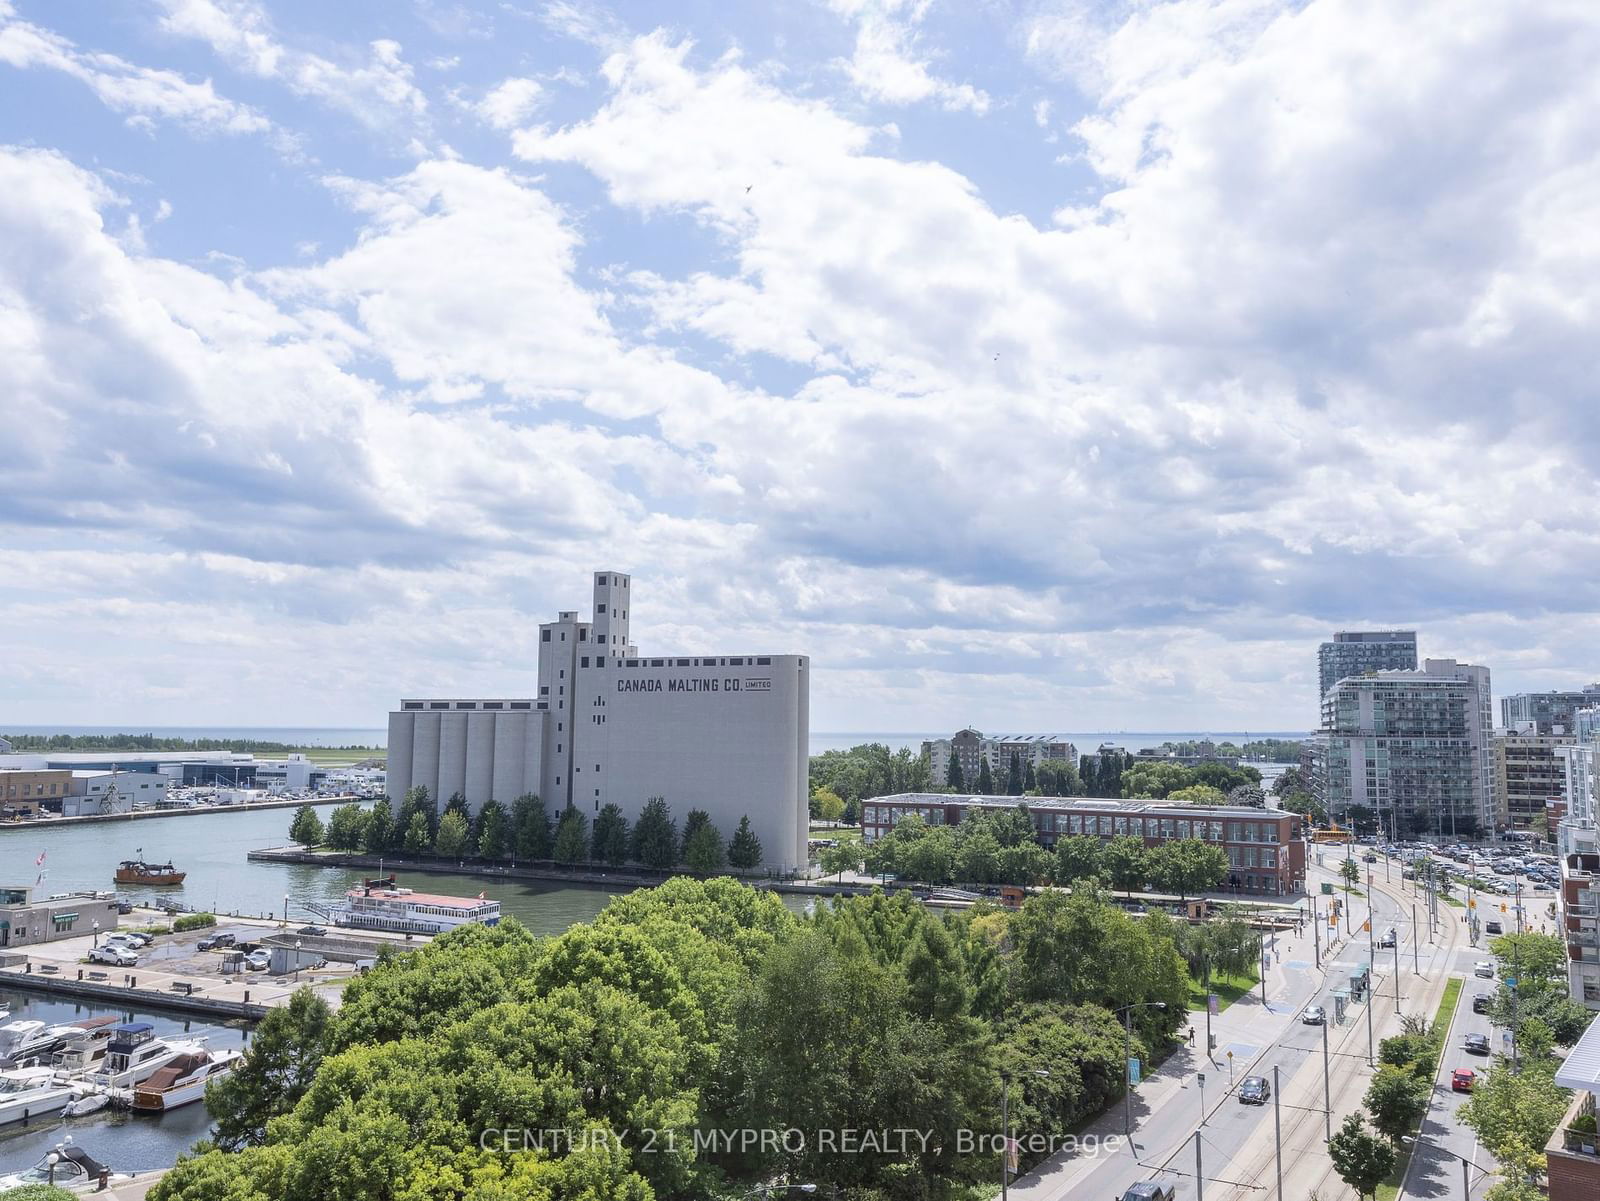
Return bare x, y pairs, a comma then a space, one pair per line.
38, 1104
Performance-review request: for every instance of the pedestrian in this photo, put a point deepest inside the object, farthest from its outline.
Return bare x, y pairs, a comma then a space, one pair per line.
1191, 1036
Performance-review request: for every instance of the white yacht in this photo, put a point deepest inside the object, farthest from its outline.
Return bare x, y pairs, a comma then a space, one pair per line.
382, 904
134, 1054
25, 1042
184, 1080
27, 1093
74, 1170
84, 1050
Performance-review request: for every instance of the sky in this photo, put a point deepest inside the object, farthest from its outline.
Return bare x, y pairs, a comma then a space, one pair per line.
1032, 364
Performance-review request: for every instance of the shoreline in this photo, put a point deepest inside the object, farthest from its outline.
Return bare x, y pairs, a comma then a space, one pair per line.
47, 823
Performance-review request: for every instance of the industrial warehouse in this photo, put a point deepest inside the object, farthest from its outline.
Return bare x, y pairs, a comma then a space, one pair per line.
724, 733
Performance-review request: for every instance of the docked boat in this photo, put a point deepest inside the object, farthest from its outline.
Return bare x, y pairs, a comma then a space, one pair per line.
27, 1043
137, 871
27, 1093
383, 905
74, 1170
184, 1080
85, 1050
87, 1103
134, 1054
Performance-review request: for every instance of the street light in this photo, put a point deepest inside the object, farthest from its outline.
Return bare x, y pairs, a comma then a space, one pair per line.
97, 933
1005, 1129
50, 1165
1127, 1059
1466, 1164
297, 946
286, 910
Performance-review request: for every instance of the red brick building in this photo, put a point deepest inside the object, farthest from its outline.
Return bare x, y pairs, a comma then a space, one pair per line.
1265, 847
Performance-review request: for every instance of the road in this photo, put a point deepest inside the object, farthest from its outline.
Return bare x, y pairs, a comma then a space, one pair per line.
1236, 1140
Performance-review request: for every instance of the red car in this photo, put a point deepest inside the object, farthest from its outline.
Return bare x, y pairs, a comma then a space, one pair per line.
1462, 1080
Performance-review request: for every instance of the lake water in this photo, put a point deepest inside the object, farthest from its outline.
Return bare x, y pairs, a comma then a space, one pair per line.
821, 740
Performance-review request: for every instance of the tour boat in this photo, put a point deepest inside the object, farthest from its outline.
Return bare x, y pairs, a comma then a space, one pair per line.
134, 1054
74, 1170
383, 905
27, 1093
184, 1080
137, 871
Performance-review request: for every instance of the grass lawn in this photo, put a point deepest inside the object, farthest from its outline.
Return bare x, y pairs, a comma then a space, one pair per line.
1390, 1188
1228, 987
841, 833
327, 756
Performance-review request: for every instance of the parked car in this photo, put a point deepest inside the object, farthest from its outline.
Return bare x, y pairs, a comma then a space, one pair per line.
135, 937
1462, 1080
1483, 968
1476, 1044
1481, 1002
313, 931
1255, 1090
258, 960
1149, 1190
124, 906
114, 955
1314, 1015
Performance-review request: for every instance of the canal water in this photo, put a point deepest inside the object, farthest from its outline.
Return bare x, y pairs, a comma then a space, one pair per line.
121, 1140
212, 847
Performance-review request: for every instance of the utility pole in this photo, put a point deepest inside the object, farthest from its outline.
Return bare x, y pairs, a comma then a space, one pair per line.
1372, 970
1005, 1134
1199, 1172
1316, 932
1415, 970
1397, 972
1277, 1130
1263, 973
1327, 1092
1207, 962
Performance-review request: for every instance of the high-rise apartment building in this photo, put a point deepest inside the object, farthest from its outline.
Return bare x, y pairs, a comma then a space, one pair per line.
1528, 773
1357, 652
1548, 712
971, 747
1578, 844
1412, 747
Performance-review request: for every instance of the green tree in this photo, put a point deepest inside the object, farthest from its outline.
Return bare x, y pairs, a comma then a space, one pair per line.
451, 840
1513, 1111
494, 831
1530, 956
977, 858
277, 1067
1126, 861
1290, 780
702, 851
1030, 779
306, 828
1077, 858
416, 800
416, 838
985, 777
828, 805
1186, 865
1199, 794
655, 836
347, 827
1361, 1159
37, 1192
1155, 779
530, 824
1027, 864
952, 776
1014, 780
744, 848
609, 843
1307, 806
457, 804
572, 837
379, 834
843, 856
1350, 872
1544, 1000
692, 824
1396, 1100
1056, 777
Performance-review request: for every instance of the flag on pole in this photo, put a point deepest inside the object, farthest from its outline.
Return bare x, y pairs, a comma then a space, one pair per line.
1012, 1147
39, 862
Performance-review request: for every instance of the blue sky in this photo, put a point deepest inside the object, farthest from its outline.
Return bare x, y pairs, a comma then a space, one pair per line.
1051, 365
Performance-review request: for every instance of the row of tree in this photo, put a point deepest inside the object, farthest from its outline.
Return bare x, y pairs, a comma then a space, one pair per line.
528, 831
644, 1045
1001, 847
1514, 1108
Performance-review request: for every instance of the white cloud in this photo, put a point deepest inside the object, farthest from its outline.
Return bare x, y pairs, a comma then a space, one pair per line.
511, 102
886, 64
379, 91
142, 92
